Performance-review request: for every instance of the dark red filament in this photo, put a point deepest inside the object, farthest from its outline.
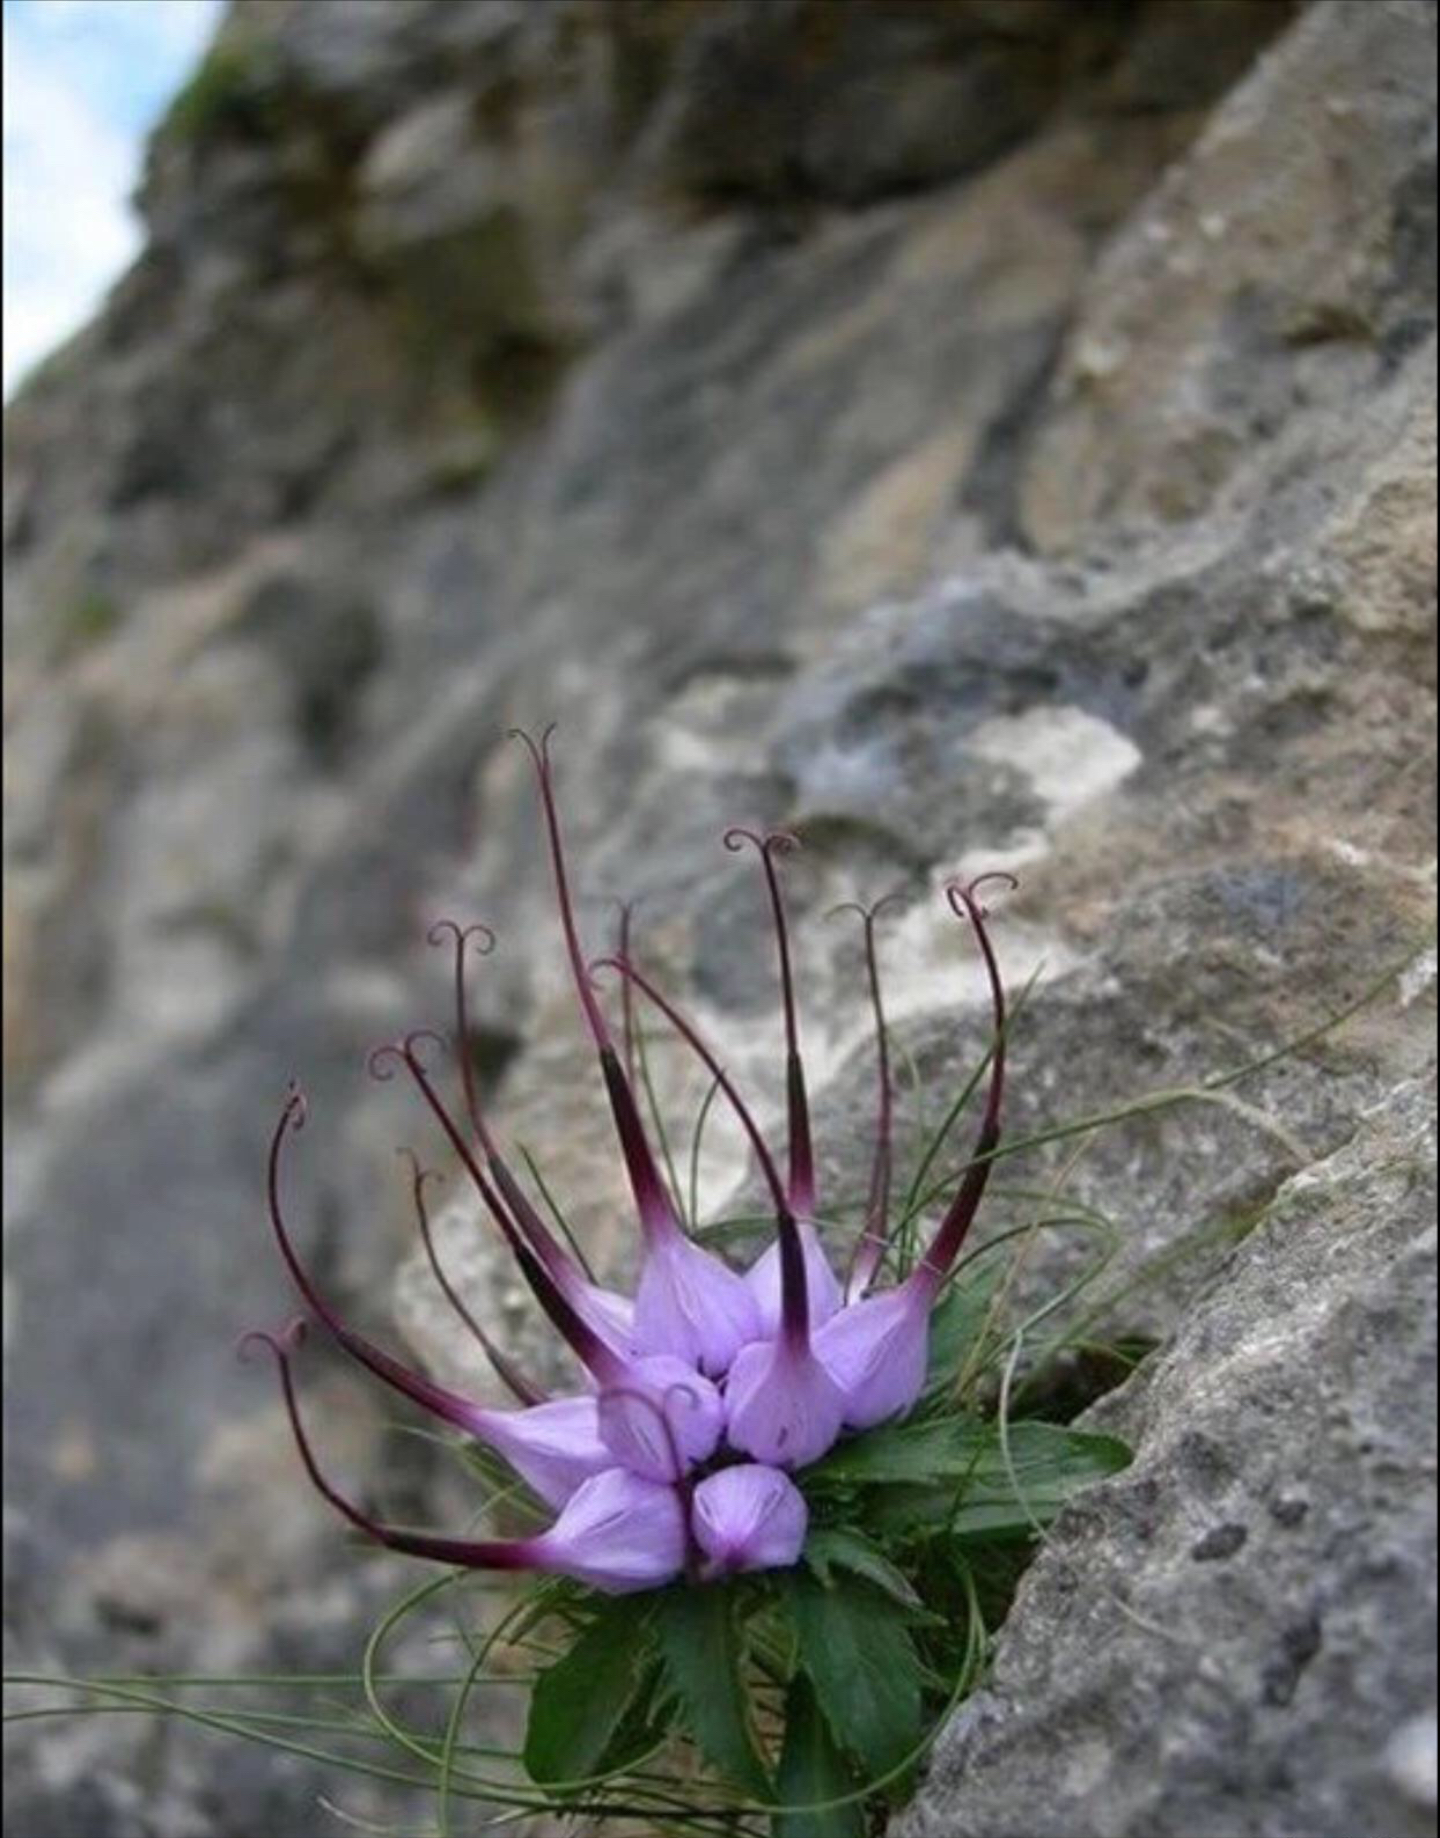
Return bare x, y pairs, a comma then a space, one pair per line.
802, 1155
957, 1221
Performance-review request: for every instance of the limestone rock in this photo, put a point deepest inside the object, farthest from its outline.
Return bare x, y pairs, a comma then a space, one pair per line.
1236, 1638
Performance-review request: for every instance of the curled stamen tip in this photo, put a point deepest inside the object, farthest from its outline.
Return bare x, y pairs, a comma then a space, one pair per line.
418, 1175
462, 935
868, 913
404, 1050
964, 892
281, 1344
296, 1108
781, 841
409, 1047
539, 750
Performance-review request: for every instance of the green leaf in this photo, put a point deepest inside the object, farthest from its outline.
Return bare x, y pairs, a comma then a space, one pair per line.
832, 1547
579, 1704
988, 1497
813, 1770
701, 1645
926, 1449
954, 1448
646, 1721
956, 1321
855, 1645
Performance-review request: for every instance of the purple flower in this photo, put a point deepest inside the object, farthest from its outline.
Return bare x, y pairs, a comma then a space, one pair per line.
618, 1532
748, 1518
877, 1349
781, 1404
624, 1465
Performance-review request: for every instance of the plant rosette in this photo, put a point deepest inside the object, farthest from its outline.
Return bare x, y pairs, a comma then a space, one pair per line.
771, 1536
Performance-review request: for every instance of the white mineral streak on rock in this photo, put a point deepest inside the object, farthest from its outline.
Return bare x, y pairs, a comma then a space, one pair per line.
1410, 1759
1069, 755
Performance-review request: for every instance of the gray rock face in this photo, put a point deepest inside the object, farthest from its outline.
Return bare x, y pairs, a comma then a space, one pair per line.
1237, 1637
1047, 484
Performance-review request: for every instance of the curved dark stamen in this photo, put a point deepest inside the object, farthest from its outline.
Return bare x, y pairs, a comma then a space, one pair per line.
289, 1337
521, 1210
528, 1219
486, 940
802, 1155
462, 934
956, 1223
965, 906
657, 1211
953, 888
592, 1352
448, 1405
627, 993
544, 772
504, 1368
871, 912
764, 840
794, 1290
473, 1554
403, 1050
875, 1234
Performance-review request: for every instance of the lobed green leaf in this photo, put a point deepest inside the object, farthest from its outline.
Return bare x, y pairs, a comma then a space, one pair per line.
813, 1769
855, 1646
580, 1703
833, 1547
702, 1648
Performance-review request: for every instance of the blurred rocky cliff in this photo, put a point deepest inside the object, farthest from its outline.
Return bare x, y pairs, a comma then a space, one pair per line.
969, 432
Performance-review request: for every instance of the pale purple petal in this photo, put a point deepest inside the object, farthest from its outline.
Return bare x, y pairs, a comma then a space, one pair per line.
660, 1417
748, 1518
611, 1316
619, 1533
692, 1306
554, 1447
781, 1405
821, 1286
876, 1351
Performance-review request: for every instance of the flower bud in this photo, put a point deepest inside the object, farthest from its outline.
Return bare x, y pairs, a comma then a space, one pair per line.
659, 1417
692, 1306
619, 1533
748, 1518
877, 1352
781, 1405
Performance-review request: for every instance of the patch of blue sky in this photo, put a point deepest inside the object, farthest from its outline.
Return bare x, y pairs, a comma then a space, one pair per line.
85, 81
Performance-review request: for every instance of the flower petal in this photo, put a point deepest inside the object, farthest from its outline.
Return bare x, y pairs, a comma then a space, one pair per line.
766, 1285
781, 1404
619, 1533
693, 1307
660, 1417
555, 1447
876, 1351
749, 1518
